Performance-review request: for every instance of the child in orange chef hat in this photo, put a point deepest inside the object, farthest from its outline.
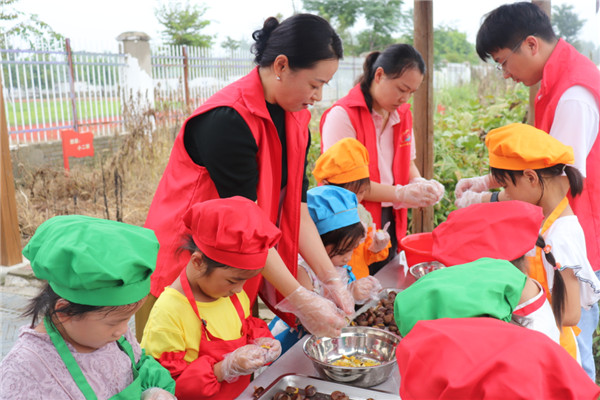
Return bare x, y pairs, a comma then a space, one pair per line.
201, 328
533, 166
346, 164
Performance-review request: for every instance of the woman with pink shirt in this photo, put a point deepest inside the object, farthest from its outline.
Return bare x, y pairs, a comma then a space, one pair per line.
376, 112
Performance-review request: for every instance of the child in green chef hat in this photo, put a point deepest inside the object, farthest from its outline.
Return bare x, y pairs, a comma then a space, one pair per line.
98, 275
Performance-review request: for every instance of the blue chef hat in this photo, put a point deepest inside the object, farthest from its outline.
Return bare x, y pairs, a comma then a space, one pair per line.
332, 207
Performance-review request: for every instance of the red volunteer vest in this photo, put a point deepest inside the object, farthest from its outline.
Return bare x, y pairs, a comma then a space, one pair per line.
566, 68
185, 183
360, 117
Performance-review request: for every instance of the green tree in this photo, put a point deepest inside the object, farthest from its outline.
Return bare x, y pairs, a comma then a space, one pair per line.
27, 28
183, 24
450, 45
384, 18
231, 44
566, 23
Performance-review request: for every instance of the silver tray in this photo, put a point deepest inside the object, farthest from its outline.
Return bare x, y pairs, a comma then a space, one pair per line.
323, 387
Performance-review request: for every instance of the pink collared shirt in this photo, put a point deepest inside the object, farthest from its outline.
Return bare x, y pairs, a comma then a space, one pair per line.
338, 126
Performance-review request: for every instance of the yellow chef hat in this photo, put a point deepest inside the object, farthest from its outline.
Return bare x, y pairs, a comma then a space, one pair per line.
346, 161
517, 147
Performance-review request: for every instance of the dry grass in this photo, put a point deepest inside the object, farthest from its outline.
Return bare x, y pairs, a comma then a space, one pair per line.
117, 185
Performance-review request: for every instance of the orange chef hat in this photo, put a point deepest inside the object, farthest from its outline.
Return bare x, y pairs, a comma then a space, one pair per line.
346, 161
504, 230
517, 147
233, 231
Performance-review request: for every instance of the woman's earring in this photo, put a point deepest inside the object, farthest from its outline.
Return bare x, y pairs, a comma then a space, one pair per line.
278, 78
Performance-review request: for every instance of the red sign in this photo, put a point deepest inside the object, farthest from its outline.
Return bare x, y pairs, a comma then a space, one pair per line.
76, 144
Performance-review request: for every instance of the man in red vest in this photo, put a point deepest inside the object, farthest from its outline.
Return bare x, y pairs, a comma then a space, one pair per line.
520, 39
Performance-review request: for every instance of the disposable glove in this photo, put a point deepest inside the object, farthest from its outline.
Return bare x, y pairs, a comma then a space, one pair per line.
419, 193
336, 289
381, 238
317, 314
439, 188
156, 393
469, 197
477, 184
243, 361
272, 346
365, 289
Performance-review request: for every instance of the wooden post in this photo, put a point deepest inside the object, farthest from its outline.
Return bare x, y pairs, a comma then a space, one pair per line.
423, 109
10, 235
546, 6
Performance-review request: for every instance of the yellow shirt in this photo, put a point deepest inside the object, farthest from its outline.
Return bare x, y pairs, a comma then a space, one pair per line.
174, 327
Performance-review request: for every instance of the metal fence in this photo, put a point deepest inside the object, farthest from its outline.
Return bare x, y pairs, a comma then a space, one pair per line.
47, 90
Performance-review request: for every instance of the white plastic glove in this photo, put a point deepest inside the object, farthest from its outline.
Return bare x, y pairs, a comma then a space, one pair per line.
469, 197
156, 393
365, 289
381, 238
477, 184
272, 346
336, 289
418, 193
317, 314
243, 361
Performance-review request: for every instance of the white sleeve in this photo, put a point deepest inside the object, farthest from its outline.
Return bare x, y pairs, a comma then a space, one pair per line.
576, 121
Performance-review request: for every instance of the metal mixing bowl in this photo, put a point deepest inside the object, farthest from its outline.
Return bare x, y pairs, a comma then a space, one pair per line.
421, 269
359, 341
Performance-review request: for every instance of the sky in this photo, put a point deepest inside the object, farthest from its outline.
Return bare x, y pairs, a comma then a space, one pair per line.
99, 22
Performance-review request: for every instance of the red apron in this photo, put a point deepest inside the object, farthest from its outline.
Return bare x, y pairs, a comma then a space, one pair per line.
362, 122
538, 272
217, 347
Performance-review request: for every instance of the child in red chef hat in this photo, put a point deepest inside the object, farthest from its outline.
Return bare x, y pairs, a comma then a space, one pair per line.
506, 231
485, 358
201, 328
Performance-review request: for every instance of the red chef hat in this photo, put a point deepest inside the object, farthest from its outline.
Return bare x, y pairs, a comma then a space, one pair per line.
233, 231
485, 358
504, 230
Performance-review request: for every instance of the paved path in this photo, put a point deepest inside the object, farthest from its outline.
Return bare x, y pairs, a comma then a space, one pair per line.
12, 303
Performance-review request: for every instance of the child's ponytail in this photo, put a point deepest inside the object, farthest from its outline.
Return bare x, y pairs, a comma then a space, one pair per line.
559, 292
575, 179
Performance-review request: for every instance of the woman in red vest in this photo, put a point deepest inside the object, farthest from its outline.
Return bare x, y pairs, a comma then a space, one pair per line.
250, 139
519, 37
376, 112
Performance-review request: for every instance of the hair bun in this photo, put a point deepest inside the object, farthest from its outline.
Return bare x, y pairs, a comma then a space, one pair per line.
261, 37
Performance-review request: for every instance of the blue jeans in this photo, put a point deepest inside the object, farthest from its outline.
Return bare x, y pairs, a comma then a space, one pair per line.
588, 324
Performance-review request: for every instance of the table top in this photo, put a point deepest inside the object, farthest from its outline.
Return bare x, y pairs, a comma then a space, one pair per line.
393, 275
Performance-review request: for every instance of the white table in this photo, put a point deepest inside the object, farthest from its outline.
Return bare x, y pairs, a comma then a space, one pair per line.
392, 275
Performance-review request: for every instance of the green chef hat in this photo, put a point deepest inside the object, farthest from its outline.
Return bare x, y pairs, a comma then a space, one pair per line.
483, 288
93, 261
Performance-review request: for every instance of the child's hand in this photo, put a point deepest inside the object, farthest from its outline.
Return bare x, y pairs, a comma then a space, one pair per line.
469, 197
477, 184
243, 361
156, 393
365, 289
381, 238
272, 346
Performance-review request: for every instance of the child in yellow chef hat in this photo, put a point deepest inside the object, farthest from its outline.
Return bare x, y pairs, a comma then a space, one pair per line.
346, 164
533, 166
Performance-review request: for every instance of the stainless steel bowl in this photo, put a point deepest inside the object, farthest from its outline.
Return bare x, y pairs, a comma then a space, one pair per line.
422, 269
359, 341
